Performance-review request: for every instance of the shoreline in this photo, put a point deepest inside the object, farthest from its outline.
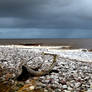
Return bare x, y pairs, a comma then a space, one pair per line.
75, 43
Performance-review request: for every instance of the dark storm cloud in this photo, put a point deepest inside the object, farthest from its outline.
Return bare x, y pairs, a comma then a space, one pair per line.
62, 14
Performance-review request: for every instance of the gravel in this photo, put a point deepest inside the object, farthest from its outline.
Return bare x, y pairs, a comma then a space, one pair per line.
72, 76
72, 73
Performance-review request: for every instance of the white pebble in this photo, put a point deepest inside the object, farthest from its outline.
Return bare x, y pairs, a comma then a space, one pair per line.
31, 87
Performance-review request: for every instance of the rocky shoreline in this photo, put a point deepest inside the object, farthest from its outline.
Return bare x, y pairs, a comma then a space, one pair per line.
72, 72
69, 76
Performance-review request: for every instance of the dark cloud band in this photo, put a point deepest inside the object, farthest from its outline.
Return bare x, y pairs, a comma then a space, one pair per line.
58, 14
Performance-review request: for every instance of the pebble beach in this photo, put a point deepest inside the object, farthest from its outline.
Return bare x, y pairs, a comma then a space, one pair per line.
72, 72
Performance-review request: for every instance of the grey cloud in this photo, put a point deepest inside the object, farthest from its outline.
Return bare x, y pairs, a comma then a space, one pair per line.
61, 14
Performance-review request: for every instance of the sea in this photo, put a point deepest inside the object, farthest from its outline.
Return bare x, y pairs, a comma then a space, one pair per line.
74, 43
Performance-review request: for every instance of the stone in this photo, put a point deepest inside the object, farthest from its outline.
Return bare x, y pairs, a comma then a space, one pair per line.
70, 89
72, 73
64, 86
32, 87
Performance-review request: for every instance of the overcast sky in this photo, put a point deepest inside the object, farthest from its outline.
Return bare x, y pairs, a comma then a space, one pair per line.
45, 18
